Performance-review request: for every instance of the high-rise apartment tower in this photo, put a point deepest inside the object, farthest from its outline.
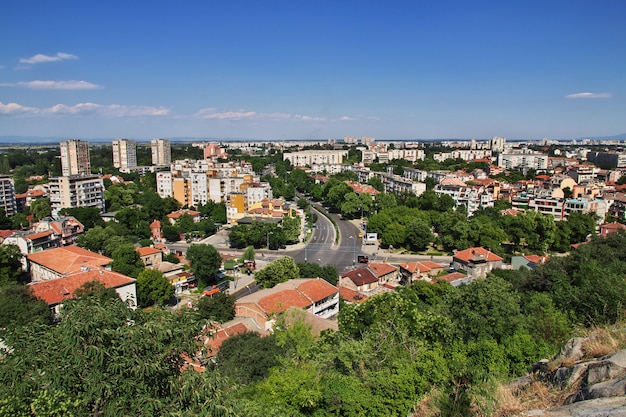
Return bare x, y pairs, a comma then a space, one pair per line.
161, 152
124, 153
75, 157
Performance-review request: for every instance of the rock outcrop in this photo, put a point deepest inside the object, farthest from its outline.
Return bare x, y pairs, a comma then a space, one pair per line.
596, 386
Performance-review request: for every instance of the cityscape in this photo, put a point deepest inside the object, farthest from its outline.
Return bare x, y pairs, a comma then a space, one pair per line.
313, 209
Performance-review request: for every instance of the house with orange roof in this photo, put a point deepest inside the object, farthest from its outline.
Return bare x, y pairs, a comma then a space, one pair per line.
68, 228
454, 278
351, 296
414, 271
608, 228
58, 262
313, 295
155, 229
476, 262
151, 257
175, 215
386, 273
24, 200
56, 291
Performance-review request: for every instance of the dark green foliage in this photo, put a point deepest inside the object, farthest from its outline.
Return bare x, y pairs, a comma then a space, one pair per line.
248, 357
10, 264
126, 260
312, 270
88, 216
219, 307
204, 263
153, 288
18, 307
281, 270
170, 257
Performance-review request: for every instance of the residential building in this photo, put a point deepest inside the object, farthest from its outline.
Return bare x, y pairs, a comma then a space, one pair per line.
476, 262
523, 159
214, 151
472, 197
124, 154
385, 273
76, 191
161, 152
415, 271
608, 159
360, 279
150, 257
7, 195
24, 200
316, 296
608, 228
56, 291
75, 157
55, 263
66, 228
175, 215
311, 157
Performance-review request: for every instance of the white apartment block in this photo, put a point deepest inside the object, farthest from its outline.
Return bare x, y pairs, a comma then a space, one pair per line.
523, 160
161, 152
311, 157
258, 192
473, 198
464, 154
124, 153
415, 174
75, 157
76, 191
7, 195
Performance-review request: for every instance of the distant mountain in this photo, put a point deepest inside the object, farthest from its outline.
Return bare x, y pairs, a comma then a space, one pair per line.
615, 137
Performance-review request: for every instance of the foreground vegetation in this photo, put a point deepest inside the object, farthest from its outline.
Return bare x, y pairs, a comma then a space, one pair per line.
450, 345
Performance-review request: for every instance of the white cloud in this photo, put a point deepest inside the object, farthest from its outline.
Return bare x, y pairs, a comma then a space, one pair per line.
81, 109
212, 113
17, 109
41, 58
589, 95
55, 85
347, 118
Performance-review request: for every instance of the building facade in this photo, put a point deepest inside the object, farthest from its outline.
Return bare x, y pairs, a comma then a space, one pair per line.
124, 154
75, 157
76, 191
161, 152
7, 195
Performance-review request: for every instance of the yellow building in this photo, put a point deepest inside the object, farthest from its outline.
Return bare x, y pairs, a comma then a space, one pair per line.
181, 191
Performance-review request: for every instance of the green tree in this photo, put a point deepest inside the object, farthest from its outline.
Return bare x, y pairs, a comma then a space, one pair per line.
418, 235
10, 264
171, 233
248, 357
40, 208
204, 261
88, 216
126, 260
281, 270
153, 288
377, 183
247, 255
220, 307
393, 235
19, 307
312, 270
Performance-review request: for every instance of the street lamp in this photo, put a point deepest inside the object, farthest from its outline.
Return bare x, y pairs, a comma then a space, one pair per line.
268, 240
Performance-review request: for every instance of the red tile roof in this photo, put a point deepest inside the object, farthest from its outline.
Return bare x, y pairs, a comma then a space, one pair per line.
220, 335
536, 259
317, 289
177, 214
351, 296
56, 290
454, 276
381, 269
468, 254
7, 233
281, 301
147, 251
40, 235
68, 259
361, 276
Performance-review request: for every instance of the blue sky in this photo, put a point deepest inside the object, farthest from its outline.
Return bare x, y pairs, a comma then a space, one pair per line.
522, 69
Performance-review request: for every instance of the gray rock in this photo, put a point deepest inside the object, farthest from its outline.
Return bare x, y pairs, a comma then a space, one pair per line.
610, 388
608, 367
602, 407
565, 376
570, 352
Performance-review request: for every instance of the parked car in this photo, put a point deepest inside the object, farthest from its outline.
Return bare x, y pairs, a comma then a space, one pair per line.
363, 259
